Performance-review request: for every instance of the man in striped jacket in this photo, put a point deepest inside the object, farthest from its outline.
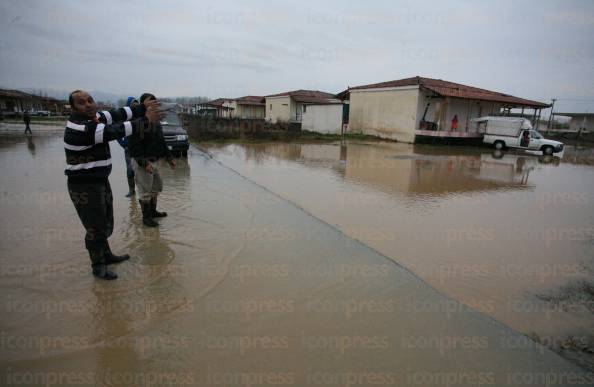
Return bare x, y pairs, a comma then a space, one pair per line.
88, 159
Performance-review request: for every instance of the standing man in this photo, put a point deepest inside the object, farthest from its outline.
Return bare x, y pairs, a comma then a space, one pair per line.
27, 121
124, 144
146, 148
86, 143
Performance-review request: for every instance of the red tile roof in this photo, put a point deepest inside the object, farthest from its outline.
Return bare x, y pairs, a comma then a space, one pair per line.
217, 102
457, 90
307, 96
250, 100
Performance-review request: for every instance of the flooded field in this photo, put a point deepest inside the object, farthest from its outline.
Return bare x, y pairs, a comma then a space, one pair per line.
508, 234
258, 278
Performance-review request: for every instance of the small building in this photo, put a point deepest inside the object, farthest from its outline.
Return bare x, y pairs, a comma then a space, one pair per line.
250, 107
290, 106
323, 117
579, 122
219, 108
410, 109
16, 102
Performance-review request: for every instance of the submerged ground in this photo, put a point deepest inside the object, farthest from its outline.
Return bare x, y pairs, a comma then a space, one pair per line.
291, 264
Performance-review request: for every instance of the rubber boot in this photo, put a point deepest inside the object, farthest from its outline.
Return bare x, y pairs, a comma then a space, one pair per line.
147, 214
111, 258
131, 190
156, 214
99, 265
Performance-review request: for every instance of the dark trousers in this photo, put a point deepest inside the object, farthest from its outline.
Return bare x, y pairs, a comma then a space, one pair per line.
93, 201
129, 170
27, 128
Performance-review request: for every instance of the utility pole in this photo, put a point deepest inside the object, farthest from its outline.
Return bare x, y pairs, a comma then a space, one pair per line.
551, 115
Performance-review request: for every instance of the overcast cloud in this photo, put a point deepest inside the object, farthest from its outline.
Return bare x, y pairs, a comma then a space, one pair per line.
532, 49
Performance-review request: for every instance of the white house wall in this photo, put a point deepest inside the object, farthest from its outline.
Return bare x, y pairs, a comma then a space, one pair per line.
278, 109
387, 113
322, 118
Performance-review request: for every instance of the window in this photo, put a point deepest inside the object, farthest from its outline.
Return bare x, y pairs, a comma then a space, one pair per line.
270, 107
304, 108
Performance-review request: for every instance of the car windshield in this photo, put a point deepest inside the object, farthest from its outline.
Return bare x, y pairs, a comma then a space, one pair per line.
536, 135
171, 119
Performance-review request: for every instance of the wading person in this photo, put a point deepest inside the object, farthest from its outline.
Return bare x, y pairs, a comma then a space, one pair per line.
146, 148
124, 144
27, 121
88, 159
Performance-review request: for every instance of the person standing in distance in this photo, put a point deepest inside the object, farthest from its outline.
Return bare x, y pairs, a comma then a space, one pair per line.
27, 121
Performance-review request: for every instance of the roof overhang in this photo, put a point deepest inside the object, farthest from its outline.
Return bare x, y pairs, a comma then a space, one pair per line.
507, 100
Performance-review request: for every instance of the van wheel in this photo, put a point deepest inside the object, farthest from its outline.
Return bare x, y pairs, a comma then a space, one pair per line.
499, 145
547, 150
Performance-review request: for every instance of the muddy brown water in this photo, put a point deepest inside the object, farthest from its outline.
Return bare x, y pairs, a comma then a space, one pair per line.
509, 234
256, 278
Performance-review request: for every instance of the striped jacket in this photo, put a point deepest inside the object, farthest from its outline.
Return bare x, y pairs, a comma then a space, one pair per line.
86, 141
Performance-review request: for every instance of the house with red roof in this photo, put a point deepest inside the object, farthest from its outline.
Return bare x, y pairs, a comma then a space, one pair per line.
291, 105
413, 108
250, 107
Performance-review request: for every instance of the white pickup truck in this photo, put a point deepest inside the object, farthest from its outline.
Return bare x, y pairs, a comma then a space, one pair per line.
514, 132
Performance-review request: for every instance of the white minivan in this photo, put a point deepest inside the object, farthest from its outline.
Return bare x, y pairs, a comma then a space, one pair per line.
515, 132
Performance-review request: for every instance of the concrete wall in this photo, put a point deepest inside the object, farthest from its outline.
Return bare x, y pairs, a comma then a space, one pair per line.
387, 113
278, 109
323, 118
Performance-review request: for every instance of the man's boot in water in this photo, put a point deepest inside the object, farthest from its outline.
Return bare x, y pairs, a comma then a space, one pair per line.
111, 258
99, 265
147, 214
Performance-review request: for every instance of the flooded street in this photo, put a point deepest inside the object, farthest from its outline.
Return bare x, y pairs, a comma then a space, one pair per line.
508, 234
290, 264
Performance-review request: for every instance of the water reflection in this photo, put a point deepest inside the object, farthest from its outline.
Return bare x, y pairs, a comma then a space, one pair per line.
399, 168
31, 145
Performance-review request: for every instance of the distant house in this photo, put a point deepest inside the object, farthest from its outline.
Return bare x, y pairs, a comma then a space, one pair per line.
290, 106
579, 122
220, 108
415, 107
250, 107
16, 101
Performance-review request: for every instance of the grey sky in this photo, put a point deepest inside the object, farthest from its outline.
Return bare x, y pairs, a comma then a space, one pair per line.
533, 49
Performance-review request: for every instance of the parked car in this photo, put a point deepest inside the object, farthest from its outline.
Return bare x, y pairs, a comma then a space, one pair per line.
43, 113
176, 137
514, 132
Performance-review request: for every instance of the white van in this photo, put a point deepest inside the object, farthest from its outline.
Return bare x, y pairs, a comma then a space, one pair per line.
515, 132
